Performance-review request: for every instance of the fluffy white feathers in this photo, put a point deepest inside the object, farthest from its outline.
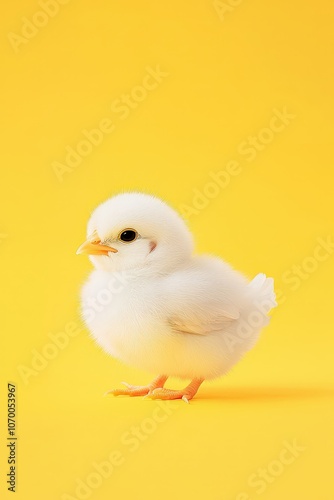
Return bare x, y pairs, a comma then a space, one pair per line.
164, 310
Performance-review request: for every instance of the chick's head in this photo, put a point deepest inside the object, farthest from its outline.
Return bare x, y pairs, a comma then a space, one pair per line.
136, 231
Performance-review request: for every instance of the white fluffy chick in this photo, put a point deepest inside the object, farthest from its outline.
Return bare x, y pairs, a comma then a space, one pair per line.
152, 304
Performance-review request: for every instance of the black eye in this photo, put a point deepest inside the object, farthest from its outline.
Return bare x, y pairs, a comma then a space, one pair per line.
128, 235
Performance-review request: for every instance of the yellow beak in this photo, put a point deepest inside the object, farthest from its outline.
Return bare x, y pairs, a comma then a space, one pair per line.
93, 246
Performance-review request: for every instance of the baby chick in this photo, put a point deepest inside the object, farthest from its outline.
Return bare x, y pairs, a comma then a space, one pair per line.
163, 309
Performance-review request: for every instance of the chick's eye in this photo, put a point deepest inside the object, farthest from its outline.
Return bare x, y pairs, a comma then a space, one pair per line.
128, 235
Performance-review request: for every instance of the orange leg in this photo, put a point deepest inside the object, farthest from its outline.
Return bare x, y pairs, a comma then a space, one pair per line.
139, 390
185, 394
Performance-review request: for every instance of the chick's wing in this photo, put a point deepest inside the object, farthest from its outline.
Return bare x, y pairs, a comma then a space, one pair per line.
199, 303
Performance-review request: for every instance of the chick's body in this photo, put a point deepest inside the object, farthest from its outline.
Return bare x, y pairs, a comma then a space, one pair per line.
190, 317
181, 324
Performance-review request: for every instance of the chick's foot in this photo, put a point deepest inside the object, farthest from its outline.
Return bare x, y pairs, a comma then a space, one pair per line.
185, 394
139, 390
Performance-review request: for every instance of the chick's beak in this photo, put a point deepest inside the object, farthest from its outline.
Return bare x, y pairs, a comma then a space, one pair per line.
93, 246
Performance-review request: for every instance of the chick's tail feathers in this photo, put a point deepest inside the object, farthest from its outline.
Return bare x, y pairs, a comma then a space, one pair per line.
263, 293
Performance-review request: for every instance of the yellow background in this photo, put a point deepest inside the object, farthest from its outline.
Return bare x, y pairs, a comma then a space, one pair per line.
226, 75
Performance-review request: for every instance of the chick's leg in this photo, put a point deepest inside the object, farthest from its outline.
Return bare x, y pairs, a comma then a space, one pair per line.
139, 390
185, 394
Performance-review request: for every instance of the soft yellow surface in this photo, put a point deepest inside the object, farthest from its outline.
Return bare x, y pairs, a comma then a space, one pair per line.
228, 76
